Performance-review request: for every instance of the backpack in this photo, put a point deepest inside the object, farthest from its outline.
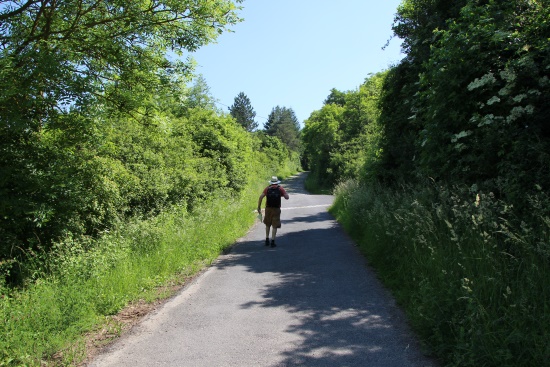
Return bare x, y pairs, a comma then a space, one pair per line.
273, 197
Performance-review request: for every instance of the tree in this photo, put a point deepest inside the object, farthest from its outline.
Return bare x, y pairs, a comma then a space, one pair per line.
321, 137
199, 95
282, 123
243, 112
57, 54
69, 70
336, 97
341, 140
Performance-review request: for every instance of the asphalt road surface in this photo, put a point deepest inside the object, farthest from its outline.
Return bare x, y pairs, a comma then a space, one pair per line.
310, 301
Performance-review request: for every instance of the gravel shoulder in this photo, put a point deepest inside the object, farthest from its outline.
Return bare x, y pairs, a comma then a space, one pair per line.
310, 301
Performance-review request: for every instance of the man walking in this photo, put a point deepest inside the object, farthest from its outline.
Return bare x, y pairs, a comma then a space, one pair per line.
272, 217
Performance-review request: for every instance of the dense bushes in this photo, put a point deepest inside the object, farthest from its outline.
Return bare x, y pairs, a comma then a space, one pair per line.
469, 103
97, 123
124, 168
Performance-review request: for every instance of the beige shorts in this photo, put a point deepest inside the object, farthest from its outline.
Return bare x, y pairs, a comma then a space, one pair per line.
272, 217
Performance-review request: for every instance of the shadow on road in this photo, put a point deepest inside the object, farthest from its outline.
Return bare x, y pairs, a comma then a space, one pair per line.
318, 302
308, 219
342, 315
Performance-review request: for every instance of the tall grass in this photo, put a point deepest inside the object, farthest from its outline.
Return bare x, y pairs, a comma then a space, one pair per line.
473, 278
86, 281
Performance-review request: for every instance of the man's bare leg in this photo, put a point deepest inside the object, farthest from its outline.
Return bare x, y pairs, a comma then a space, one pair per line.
267, 235
273, 235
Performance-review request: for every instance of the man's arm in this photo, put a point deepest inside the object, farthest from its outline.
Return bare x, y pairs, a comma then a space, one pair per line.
260, 202
285, 195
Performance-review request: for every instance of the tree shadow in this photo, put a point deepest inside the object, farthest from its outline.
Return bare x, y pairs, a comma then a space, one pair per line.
319, 217
341, 311
343, 315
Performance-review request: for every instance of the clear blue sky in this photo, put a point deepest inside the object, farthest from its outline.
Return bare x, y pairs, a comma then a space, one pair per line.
291, 53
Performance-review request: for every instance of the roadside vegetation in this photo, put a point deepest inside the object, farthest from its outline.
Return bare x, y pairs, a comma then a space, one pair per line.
440, 170
119, 176
78, 286
473, 278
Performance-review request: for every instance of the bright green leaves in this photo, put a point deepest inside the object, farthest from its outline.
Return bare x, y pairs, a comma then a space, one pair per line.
341, 140
87, 127
66, 52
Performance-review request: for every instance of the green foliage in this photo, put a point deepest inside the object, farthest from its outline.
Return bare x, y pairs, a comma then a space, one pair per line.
81, 281
90, 113
89, 281
472, 107
473, 278
84, 184
199, 96
320, 137
467, 109
416, 20
227, 148
274, 156
242, 111
336, 97
67, 53
283, 124
399, 150
341, 140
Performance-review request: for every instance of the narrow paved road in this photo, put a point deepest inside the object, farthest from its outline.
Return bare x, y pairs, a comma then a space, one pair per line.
311, 301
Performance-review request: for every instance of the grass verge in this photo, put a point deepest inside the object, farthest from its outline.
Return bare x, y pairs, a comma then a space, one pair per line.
88, 283
473, 279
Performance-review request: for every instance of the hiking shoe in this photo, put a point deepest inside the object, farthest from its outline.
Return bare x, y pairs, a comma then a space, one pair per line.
267, 241
273, 243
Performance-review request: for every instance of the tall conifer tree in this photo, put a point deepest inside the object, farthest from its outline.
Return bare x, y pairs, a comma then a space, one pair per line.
243, 112
283, 123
